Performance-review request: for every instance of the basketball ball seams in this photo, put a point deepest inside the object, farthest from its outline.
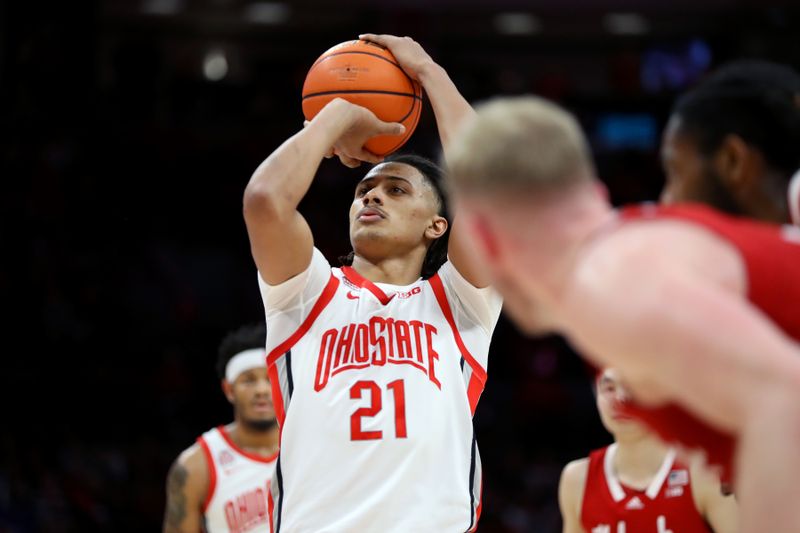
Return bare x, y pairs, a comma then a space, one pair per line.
365, 82
345, 52
409, 131
361, 91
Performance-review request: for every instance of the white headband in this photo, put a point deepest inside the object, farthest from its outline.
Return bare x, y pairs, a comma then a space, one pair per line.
794, 198
245, 360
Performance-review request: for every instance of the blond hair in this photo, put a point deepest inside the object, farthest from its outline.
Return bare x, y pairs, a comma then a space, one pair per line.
519, 144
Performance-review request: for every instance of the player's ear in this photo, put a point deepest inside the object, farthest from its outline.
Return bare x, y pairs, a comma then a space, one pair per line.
736, 162
227, 390
436, 228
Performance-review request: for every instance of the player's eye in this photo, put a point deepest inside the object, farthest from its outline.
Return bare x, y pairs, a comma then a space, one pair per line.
397, 190
361, 191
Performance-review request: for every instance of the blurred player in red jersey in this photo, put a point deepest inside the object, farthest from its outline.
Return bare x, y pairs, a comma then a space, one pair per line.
690, 305
220, 483
732, 142
638, 484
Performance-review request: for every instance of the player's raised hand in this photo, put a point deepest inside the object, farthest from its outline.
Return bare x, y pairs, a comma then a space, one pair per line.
359, 125
408, 52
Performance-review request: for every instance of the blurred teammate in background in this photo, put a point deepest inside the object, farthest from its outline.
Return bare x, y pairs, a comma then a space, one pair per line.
691, 306
220, 483
377, 366
638, 484
733, 142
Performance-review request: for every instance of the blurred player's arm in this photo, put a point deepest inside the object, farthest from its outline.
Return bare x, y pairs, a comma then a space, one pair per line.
452, 110
280, 239
187, 487
683, 335
720, 511
570, 494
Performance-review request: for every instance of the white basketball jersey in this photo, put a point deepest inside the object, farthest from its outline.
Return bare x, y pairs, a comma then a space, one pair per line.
238, 485
374, 386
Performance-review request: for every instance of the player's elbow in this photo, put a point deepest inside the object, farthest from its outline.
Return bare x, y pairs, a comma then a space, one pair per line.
261, 203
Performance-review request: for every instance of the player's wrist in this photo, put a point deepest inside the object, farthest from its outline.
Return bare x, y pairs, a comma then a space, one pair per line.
429, 71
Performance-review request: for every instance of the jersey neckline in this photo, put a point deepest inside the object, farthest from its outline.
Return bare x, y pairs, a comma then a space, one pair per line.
255, 457
615, 487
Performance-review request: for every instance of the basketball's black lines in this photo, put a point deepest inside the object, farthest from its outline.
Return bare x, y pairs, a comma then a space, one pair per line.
362, 91
357, 52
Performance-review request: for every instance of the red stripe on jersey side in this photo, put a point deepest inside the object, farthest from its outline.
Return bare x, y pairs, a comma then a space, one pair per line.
323, 300
361, 281
478, 378
212, 473
270, 507
277, 396
254, 457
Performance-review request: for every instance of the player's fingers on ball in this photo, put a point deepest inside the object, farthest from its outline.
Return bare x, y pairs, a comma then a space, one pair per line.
369, 157
349, 161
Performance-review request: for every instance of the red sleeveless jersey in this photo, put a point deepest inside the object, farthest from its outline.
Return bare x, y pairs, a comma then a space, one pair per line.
771, 256
666, 506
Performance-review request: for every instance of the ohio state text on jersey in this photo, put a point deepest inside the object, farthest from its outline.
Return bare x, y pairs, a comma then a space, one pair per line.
665, 506
238, 485
374, 386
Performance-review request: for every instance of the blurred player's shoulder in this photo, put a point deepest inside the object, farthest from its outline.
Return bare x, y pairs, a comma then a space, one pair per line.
573, 477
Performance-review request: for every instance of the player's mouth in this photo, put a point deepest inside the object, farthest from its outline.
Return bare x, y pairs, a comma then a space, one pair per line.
370, 214
262, 407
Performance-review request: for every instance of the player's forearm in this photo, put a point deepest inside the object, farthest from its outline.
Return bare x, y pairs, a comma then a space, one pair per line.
769, 465
283, 179
449, 106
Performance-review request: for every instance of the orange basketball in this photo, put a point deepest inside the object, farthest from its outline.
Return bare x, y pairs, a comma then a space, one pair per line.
368, 75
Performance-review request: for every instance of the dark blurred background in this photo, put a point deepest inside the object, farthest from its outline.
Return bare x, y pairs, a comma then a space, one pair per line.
129, 130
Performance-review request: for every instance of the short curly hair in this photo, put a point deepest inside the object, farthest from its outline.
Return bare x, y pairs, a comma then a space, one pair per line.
436, 255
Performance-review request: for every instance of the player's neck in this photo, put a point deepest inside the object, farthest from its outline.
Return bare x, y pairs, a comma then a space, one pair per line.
393, 270
258, 442
563, 237
638, 460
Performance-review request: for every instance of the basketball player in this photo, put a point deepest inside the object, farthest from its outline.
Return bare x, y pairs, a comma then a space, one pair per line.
220, 483
690, 305
377, 366
638, 483
732, 142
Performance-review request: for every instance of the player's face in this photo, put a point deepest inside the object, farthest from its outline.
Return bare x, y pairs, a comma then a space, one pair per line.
252, 397
609, 395
394, 210
690, 174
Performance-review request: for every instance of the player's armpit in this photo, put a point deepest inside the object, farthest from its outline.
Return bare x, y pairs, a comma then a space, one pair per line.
187, 482
719, 510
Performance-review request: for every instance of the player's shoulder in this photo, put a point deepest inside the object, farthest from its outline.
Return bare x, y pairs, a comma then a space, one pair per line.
191, 466
574, 473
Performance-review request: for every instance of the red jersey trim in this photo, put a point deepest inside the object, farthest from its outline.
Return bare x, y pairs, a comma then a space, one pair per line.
360, 281
212, 473
270, 508
323, 300
478, 378
254, 457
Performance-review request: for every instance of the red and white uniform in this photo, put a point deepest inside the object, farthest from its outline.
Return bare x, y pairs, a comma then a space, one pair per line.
375, 386
666, 506
238, 485
771, 256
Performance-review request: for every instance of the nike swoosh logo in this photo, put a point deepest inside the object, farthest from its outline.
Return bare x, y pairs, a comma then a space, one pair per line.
352, 296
